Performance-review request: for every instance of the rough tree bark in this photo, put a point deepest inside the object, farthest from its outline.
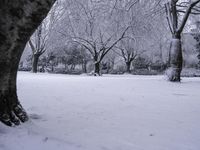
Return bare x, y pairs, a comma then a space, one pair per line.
18, 20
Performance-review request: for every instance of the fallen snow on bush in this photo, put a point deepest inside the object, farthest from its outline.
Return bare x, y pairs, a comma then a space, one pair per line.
105, 113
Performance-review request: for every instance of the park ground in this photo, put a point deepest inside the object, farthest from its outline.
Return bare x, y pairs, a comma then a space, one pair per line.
105, 113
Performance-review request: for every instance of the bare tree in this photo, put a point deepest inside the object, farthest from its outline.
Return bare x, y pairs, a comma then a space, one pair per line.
91, 24
128, 52
38, 47
99, 49
39, 42
18, 21
177, 22
142, 17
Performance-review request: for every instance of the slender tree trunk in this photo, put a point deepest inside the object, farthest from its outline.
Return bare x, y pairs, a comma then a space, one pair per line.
97, 68
18, 20
128, 67
66, 66
84, 67
35, 62
176, 60
72, 67
52, 68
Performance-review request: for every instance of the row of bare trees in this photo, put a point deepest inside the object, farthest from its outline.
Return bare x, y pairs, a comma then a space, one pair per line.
129, 28
102, 27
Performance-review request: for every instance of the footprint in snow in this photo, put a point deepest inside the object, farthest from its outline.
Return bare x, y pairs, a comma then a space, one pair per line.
35, 116
179, 94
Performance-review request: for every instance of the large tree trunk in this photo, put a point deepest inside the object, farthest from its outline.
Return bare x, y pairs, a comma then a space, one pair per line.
10, 109
18, 20
176, 60
35, 62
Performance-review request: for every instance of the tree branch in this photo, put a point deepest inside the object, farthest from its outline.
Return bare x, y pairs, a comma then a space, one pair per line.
32, 46
187, 13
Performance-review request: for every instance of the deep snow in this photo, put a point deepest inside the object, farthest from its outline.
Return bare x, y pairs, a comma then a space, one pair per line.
105, 113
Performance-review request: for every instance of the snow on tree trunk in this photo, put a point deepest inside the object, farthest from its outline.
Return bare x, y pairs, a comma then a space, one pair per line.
176, 61
18, 20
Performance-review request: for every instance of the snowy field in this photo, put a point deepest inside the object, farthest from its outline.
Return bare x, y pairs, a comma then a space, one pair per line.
106, 113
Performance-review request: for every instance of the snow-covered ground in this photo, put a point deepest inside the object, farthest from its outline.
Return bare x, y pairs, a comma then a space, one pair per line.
106, 113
